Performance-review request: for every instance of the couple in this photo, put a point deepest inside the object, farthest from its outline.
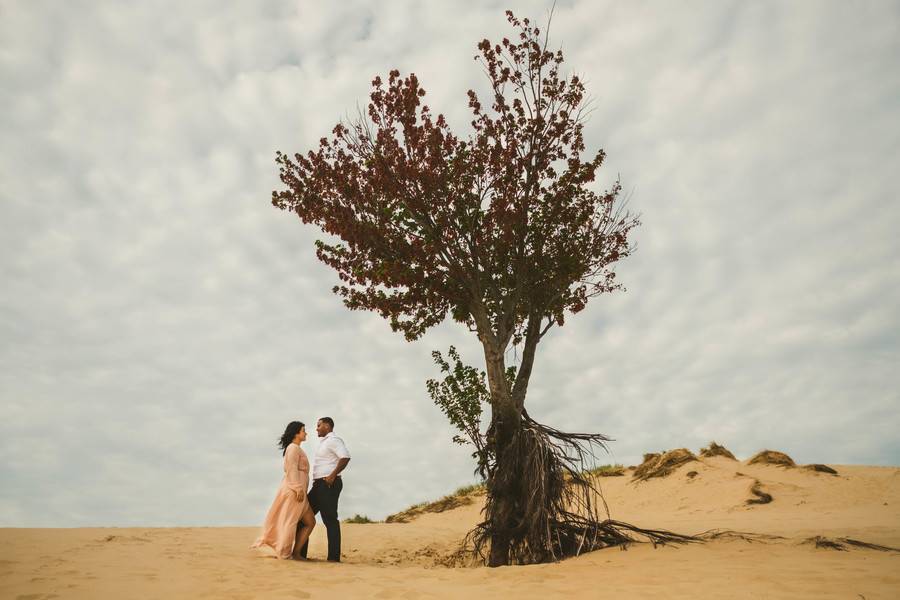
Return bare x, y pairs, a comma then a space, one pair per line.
292, 516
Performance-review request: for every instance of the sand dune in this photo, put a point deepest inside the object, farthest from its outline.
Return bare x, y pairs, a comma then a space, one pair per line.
402, 560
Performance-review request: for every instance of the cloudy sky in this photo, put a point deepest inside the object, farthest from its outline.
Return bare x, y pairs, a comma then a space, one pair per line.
160, 321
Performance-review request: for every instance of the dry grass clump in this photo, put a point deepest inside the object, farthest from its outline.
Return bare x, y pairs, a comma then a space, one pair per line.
476, 489
661, 465
761, 497
821, 469
607, 471
461, 497
358, 518
772, 457
715, 449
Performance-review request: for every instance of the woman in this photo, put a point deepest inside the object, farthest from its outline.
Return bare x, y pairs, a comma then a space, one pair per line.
291, 506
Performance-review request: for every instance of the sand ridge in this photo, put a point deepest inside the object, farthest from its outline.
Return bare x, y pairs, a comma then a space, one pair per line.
402, 560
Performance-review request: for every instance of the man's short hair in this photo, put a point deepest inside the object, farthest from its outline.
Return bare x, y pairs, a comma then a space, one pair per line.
328, 420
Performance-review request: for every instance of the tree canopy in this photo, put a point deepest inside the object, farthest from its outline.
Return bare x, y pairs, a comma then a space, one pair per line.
499, 229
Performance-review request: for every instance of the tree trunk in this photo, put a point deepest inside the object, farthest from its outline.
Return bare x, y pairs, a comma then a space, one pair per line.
540, 505
504, 511
505, 424
532, 337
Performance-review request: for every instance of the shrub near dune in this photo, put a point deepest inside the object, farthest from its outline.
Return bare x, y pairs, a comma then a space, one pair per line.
715, 449
780, 459
359, 519
772, 457
821, 469
607, 471
661, 465
461, 497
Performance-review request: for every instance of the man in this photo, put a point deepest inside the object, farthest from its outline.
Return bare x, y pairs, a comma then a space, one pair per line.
331, 458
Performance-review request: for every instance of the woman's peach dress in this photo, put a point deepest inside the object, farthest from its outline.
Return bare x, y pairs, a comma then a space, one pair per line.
280, 526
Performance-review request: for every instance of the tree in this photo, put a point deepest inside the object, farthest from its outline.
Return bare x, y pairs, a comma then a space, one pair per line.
501, 230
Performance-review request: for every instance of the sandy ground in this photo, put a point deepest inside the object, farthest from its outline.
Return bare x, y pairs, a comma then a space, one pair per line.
400, 560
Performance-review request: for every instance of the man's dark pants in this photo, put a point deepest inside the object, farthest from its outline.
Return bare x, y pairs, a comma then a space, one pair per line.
324, 499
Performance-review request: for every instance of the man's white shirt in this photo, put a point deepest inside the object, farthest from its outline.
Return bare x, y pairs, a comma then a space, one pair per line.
331, 449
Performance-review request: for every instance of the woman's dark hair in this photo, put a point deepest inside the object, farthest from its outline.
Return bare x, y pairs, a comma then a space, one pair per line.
287, 437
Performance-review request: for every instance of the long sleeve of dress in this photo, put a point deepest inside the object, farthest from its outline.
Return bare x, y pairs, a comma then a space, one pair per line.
292, 475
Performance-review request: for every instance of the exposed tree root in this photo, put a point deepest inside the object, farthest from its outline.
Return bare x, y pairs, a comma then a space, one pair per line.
842, 543
551, 508
868, 546
823, 542
727, 534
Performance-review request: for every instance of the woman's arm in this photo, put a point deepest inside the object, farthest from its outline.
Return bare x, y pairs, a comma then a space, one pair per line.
292, 473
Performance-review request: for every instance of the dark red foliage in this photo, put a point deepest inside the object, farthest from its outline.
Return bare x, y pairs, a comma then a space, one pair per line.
500, 229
